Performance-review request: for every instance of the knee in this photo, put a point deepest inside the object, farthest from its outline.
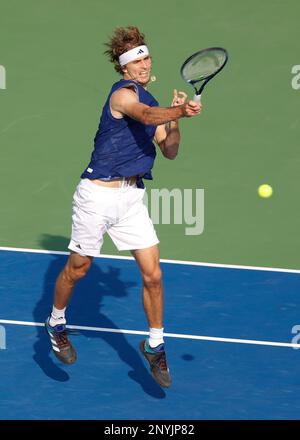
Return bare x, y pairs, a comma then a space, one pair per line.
75, 272
153, 279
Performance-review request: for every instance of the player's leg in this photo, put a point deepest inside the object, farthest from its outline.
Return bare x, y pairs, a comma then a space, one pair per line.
148, 262
76, 268
153, 349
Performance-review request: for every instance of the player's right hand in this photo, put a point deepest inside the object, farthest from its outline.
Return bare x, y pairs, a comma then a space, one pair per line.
191, 108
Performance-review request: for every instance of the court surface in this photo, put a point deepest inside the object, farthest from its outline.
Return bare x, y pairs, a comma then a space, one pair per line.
235, 376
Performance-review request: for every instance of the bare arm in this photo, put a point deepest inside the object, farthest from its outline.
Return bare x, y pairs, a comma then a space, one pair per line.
168, 136
125, 101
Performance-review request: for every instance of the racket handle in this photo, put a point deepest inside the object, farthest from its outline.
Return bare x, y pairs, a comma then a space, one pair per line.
197, 98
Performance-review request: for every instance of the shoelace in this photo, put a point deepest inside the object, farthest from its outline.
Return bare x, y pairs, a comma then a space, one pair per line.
62, 339
162, 362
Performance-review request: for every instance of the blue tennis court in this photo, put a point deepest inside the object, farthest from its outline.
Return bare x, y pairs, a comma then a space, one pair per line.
224, 329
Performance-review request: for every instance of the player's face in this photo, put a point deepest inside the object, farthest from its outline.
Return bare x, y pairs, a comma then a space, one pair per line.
139, 70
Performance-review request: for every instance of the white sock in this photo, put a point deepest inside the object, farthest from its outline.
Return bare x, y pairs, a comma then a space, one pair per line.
57, 316
156, 337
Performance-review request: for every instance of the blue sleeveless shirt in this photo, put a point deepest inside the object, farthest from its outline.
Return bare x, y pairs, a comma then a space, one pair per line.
123, 147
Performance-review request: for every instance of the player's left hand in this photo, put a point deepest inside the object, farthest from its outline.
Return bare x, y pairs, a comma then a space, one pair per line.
179, 98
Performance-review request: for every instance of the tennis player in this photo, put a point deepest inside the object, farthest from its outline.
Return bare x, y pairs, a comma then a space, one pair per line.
109, 196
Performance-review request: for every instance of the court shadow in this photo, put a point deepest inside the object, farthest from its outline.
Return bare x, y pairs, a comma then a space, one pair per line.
85, 309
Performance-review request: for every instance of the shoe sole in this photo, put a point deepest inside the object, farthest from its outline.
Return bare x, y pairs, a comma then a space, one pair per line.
63, 360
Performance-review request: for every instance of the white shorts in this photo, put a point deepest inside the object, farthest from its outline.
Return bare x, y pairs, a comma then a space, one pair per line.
118, 211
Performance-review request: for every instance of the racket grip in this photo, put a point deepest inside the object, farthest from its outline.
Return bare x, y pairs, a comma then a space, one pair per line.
197, 98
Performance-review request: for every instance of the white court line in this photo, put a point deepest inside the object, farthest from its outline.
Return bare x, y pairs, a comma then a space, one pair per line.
190, 263
169, 335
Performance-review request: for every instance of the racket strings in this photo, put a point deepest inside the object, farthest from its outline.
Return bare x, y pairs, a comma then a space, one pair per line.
203, 65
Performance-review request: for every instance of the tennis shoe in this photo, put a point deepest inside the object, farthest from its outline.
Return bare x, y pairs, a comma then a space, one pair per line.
61, 346
157, 362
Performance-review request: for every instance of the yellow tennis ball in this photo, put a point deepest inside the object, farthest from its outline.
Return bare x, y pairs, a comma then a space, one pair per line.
265, 191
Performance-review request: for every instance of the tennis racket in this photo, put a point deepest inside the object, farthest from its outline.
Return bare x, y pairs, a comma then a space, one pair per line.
203, 66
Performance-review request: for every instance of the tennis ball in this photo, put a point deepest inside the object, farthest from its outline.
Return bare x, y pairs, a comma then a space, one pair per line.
265, 191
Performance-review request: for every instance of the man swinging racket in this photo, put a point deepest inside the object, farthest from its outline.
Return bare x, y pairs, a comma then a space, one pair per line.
109, 197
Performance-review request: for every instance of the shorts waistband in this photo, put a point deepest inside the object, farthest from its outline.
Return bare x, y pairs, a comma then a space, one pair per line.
118, 182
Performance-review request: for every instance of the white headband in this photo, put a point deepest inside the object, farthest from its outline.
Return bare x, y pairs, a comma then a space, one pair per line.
133, 54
